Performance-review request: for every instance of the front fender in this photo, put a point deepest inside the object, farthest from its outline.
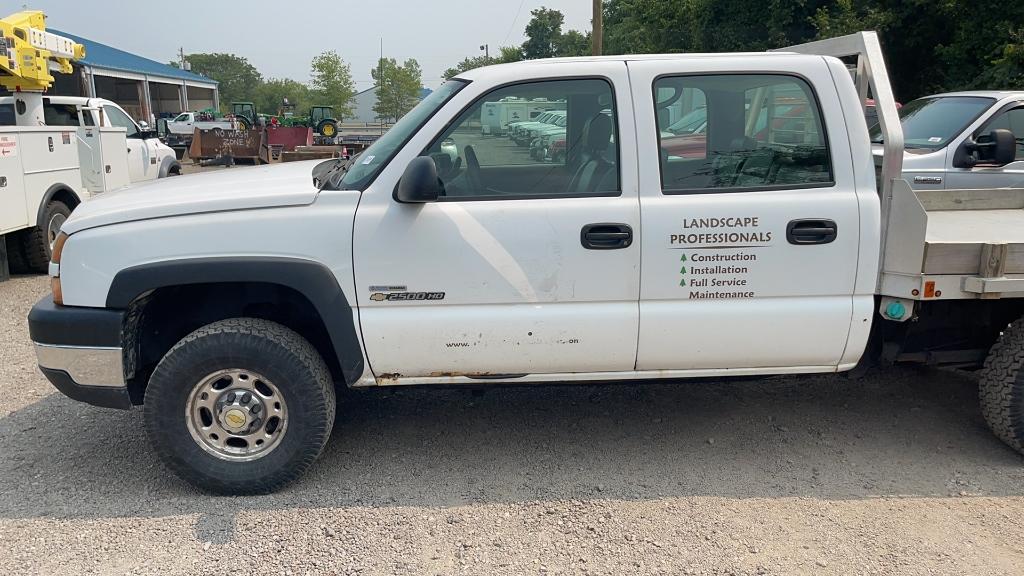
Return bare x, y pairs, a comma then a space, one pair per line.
311, 279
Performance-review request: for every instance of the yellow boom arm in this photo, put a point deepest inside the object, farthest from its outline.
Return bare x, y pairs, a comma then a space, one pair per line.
26, 50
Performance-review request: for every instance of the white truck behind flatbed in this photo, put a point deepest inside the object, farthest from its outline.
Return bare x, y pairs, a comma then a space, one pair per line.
181, 129
230, 305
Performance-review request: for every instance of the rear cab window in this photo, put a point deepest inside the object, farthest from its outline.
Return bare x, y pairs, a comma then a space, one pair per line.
739, 132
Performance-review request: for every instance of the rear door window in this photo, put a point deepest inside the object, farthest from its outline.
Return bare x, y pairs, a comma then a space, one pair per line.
739, 132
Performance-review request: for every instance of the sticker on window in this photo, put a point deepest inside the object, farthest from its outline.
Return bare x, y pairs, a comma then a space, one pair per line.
368, 159
935, 139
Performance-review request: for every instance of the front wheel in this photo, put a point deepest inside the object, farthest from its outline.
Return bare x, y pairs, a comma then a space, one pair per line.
240, 406
1001, 387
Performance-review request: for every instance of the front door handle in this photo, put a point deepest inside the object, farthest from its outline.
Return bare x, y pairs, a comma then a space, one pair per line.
606, 236
811, 231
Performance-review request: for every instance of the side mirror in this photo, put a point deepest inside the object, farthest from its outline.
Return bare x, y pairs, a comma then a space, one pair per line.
144, 125
419, 182
1003, 148
997, 148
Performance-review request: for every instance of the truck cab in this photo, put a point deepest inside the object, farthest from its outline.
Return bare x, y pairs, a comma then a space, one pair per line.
938, 129
148, 157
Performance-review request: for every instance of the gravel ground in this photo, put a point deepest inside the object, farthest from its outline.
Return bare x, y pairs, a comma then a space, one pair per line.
892, 474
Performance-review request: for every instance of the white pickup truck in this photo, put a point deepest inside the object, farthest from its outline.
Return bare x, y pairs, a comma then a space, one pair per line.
183, 126
231, 305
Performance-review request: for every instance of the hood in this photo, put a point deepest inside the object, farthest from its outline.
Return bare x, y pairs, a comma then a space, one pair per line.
915, 158
238, 188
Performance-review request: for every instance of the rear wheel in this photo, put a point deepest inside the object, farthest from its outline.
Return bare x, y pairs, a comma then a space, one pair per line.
1002, 387
240, 406
243, 124
15, 253
37, 242
328, 129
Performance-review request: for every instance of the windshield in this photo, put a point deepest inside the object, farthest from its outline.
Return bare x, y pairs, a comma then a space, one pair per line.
931, 122
372, 160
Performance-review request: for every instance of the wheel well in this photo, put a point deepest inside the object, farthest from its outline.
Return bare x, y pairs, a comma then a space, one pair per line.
61, 193
156, 321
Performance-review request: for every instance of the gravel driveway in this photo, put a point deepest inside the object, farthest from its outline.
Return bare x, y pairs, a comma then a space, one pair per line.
892, 474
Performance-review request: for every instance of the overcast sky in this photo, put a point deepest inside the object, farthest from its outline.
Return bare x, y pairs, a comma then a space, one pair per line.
281, 37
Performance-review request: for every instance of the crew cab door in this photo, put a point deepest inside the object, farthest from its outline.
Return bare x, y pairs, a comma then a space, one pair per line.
525, 266
750, 220
141, 155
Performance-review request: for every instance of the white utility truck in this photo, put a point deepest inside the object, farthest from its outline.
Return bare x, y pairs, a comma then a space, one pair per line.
55, 152
231, 305
148, 157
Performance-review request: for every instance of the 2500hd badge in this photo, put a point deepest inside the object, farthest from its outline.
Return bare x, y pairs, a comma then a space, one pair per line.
406, 296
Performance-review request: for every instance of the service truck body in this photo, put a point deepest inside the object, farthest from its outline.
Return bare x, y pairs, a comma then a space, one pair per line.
242, 297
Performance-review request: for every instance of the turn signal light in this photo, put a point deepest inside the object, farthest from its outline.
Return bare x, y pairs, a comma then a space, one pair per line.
58, 247
58, 295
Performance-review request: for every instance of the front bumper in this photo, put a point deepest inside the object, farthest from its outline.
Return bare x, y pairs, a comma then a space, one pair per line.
79, 352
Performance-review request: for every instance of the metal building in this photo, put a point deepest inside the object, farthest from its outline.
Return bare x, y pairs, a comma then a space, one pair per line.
145, 88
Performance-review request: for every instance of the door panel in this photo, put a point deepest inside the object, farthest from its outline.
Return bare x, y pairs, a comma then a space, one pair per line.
721, 285
518, 292
480, 284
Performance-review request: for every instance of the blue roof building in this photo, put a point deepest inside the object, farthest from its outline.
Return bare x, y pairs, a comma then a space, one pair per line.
145, 88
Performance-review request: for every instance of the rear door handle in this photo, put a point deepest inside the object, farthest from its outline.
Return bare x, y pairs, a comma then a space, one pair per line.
811, 231
606, 236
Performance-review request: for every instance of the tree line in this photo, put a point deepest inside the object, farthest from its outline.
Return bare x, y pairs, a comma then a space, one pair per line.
930, 46
330, 84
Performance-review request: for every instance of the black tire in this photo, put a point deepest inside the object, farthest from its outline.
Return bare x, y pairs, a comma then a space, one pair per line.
243, 123
1001, 387
36, 241
327, 125
15, 253
270, 349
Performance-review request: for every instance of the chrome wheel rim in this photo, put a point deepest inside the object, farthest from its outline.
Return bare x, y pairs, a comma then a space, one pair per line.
53, 228
236, 415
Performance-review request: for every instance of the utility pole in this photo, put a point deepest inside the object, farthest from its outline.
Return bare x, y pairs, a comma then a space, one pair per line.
595, 35
380, 80
487, 50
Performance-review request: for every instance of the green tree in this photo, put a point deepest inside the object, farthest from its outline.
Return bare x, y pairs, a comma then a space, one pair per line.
398, 87
543, 33
506, 54
331, 82
237, 77
573, 43
269, 97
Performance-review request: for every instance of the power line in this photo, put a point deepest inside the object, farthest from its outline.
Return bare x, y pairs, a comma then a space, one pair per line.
513, 25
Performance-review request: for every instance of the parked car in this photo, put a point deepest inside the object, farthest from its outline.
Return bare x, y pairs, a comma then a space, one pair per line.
232, 304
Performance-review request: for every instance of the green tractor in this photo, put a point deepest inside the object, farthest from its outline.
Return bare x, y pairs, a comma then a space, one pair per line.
246, 116
320, 119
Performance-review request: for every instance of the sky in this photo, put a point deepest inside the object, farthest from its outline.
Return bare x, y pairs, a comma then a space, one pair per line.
280, 38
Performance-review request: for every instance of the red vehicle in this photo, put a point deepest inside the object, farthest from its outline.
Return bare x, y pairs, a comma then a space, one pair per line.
694, 145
